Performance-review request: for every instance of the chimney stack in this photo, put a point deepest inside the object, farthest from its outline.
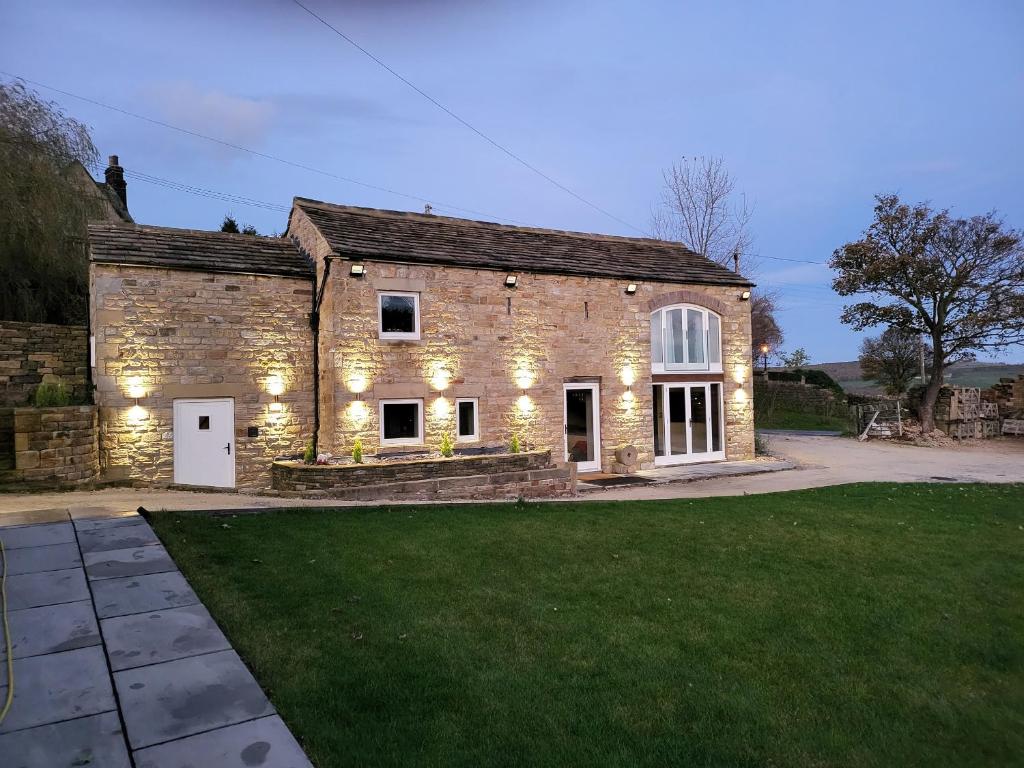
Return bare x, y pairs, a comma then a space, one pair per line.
735, 259
114, 176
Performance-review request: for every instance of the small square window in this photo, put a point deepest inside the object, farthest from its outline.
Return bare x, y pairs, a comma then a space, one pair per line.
401, 422
468, 427
204, 422
399, 315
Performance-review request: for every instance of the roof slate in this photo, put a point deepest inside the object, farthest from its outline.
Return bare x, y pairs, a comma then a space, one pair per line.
195, 250
399, 236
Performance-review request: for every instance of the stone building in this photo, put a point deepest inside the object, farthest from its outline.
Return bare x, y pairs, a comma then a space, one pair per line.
423, 326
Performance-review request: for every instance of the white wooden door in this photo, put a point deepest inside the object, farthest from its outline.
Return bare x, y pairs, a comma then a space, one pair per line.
583, 426
204, 442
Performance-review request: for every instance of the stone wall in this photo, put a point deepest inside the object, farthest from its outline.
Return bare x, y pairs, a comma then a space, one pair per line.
485, 477
53, 447
39, 353
794, 396
557, 328
183, 334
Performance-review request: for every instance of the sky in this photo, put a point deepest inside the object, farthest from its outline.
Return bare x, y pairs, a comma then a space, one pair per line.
814, 107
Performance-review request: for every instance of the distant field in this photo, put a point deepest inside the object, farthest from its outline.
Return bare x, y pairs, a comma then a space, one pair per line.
964, 375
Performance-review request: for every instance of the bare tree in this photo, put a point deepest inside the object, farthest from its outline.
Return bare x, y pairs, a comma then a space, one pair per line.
891, 360
701, 208
766, 335
959, 280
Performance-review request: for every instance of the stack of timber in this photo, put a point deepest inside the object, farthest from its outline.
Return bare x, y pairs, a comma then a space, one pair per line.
962, 414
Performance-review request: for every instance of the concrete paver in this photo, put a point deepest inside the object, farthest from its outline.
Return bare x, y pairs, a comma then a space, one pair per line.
149, 638
127, 562
59, 686
38, 535
86, 742
102, 523
48, 588
135, 594
266, 743
117, 537
52, 557
188, 696
52, 628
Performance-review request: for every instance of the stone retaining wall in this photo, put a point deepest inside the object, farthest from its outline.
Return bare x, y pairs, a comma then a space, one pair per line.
476, 477
794, 396
53, 447
36, 353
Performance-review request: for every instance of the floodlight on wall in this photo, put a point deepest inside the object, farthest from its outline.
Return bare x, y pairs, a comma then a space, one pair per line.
631, 289
511, 281
275, 387
745, 296
357, 270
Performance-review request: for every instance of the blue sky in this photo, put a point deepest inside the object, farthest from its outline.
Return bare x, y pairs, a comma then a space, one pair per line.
814, 106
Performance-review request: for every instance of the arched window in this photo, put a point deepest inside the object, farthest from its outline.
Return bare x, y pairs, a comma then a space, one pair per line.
685, 337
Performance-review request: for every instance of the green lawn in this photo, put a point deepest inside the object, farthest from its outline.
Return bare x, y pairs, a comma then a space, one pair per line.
779, 418
866, 625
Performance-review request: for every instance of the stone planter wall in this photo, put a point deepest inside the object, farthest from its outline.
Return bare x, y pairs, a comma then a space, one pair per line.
52, 447
476, 477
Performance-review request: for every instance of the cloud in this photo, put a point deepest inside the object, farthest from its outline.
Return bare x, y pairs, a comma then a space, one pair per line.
235, 119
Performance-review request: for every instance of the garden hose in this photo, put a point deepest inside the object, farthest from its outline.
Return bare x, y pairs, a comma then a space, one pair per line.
7, 633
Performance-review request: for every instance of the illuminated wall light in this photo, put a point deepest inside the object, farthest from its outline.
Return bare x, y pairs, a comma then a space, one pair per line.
740, 374
276, 407
135, 389
524, 378
275, 385
628, 375
628, 396
137, 414
740, 396
440, 379
631, 289
524, 403
441, 408
358, 412
357, 383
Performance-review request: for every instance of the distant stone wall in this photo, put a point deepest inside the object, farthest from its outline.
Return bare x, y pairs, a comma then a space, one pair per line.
794, 396
52, 447
39, 353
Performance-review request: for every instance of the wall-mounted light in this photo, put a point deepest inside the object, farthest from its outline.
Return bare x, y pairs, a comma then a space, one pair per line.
524, 404
440, 379
510, 281
136, 390
357, 383
524, 379
745, 296
275, 388
357, 270
631, 289
441, 408
740, 374
358, 412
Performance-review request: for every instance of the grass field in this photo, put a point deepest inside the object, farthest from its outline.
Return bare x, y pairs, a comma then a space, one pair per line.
863, 625
779, 418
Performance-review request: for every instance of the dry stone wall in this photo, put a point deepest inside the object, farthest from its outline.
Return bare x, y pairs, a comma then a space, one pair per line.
40, 353
52, 447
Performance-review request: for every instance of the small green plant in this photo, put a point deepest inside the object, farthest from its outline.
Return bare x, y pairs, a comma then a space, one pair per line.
513, 446
309, 455
447, 446
51, 395
357, 451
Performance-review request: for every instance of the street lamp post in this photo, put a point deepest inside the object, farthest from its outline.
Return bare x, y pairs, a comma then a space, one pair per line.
764, 356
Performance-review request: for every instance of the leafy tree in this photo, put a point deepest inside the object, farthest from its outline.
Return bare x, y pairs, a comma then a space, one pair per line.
230, 224
798, 358
43, 212
701, 208
959, 280
892, 360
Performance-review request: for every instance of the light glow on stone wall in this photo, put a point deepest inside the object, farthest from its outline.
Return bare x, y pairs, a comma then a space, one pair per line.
628, 375
275, 385
358, 413
740, 374
441, 408
136, 388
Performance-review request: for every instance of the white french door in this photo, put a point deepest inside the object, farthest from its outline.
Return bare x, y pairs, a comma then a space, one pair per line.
583, 426
688, 422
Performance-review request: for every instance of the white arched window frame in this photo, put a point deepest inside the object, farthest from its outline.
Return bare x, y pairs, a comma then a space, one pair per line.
685, 337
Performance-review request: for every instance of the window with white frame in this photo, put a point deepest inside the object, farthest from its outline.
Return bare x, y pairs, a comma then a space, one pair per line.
401, 422
685, 338
398, 315
467, 428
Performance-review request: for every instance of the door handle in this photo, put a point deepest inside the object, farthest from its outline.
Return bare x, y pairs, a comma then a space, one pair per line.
228, 448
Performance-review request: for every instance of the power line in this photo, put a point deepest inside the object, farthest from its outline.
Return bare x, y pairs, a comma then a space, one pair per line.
464, 122
256, 153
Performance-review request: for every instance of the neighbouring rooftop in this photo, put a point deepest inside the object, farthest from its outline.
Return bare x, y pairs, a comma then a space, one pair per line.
195, 250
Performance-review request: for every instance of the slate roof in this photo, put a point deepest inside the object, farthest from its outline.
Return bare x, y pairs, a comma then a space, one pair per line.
195, 250
398, 236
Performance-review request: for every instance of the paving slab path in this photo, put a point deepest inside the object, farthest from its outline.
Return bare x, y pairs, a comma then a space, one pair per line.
117, 664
